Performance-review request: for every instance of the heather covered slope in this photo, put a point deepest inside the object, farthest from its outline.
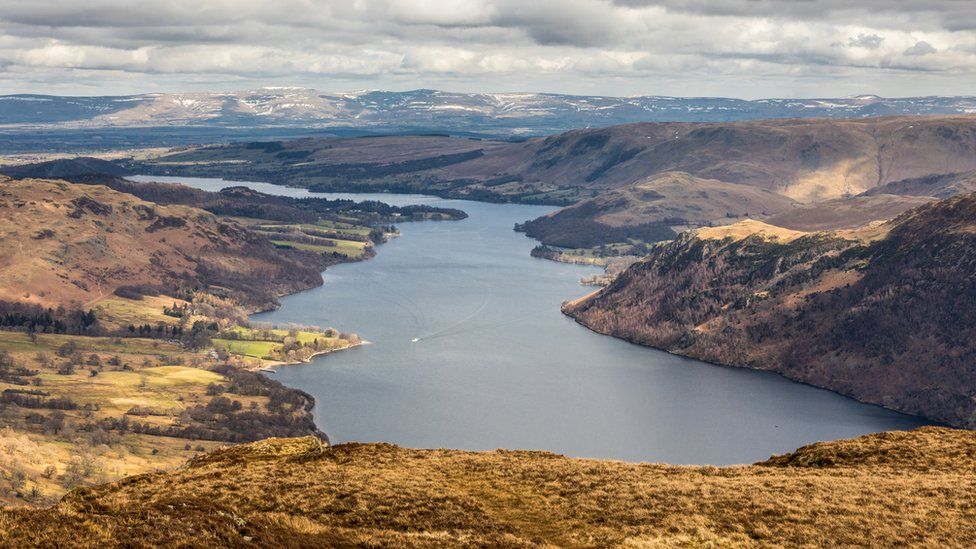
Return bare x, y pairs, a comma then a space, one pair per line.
889, 489
884, 314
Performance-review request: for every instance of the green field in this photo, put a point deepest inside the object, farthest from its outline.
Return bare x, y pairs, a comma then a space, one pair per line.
278, 334
265, 343
347, 248
254, 349
321, 225
340, 226
353, 246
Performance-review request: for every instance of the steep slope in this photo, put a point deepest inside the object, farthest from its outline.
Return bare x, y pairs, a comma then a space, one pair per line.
884, 315
889, 489
66, 243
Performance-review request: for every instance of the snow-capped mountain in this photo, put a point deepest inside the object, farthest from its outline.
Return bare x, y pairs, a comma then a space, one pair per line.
500, 113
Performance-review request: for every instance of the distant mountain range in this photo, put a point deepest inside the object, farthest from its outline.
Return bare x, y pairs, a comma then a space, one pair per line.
510, 114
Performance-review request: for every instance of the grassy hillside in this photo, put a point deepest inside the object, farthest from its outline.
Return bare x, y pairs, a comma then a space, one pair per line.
847, 213
884, 314
889, 489
936, 185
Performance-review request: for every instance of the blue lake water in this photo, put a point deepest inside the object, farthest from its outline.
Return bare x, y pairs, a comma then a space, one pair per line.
498, 366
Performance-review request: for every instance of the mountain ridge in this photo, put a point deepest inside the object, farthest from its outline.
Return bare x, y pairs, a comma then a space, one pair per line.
501, 113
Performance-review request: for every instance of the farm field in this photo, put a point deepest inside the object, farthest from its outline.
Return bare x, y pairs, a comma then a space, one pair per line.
278, 344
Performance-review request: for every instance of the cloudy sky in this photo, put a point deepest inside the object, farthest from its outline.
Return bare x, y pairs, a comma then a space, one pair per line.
739, 48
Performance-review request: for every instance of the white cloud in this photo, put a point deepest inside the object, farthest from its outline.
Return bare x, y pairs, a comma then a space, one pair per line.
720, 47
869, 41
920, 48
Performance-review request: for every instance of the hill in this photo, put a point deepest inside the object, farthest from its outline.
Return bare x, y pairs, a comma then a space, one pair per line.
652, 210
887, 489
700, 173
882, 314
847, 213
803, 159
124, 339
65, 168
936, 185
69, 243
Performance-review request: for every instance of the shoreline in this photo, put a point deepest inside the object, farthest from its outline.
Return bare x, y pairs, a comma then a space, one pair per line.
932, 421
276, 363
597, 290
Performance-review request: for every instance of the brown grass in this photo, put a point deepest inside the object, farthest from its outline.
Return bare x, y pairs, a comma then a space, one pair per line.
902, 488
747, 228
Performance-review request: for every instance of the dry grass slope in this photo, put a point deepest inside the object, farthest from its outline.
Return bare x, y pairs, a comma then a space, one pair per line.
745, 229
902, 488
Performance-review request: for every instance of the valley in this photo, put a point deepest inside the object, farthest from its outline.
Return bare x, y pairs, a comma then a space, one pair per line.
152, 357
495, 363
619, 191
166, 340
483, 273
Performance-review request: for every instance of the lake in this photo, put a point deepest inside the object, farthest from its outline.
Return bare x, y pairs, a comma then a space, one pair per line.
496, 365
